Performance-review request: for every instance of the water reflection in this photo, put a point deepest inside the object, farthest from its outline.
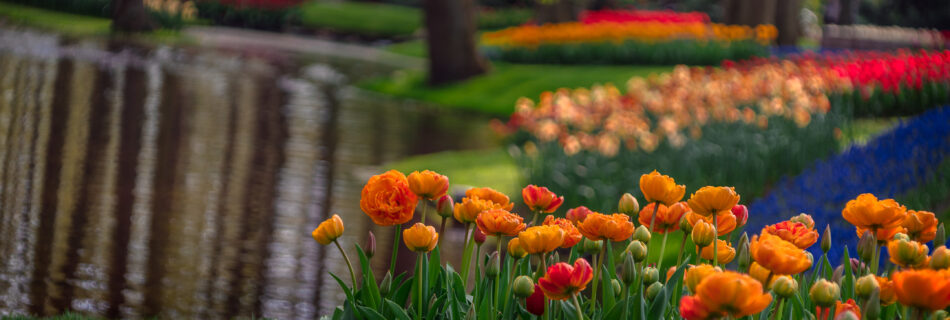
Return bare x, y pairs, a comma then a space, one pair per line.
140, 182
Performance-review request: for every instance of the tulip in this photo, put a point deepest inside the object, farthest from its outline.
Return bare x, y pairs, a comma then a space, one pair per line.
500, 200
498, 222
628, 269
523, 286
691, 308
615, 227
667, 218
428, 184
685, 225
708, 200
420, 237
725, 254
695, 275
571, 235
478, 236
541, 239
387, 199
865, 286
653, 290
733, 294
883, 218
866, 246
445, 206
940, 238
628, 205
703, 234
777, 255
725, 222
386, 284
907, 254
540, 200
642, 234
795, 232
826, 240
784, 286
824, 293
578, 214
515, 250
744, 258
536, 301
847, 310
887, 293
742, 214
637, 250
615, 286
940, 259
925, 289
758, 272
329, 231
370, 245
493, 266
661, 188
562, 281
590, 246
468, 209
805, 219
650, 275
920, 225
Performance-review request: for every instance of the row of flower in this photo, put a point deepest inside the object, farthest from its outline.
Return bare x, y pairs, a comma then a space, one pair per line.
525, 276
635, 16
630, 42
892, 164
766, 118
880, 38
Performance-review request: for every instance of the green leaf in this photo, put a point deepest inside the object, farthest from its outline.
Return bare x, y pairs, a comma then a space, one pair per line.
617, 310
764, 315
607, 290
370, 288
569, 311
370, 313
829, 270
658, 306
396, 310
436, 308
401, 294
847, 285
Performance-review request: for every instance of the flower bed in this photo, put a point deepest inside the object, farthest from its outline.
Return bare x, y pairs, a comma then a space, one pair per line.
633, 16
631, 42
608, 272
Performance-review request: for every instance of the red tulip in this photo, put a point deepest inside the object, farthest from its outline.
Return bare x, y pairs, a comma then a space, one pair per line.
562, 280
578, 214
693, 309
535, 302
742, 214
541, 199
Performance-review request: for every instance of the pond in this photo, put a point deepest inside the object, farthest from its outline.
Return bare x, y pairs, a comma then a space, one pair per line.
141, 181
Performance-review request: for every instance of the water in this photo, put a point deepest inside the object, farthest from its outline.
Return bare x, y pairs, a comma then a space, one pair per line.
182, 183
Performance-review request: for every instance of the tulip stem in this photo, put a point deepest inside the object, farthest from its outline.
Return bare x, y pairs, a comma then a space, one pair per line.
534, 217
679, 257
874, 259
778, 312
419, 285
425, 206
498, 274
577, 305
598, 273
442, 232
392, 262
715, 241
537, 274
467, 253
348, 264
656, 207
659, 263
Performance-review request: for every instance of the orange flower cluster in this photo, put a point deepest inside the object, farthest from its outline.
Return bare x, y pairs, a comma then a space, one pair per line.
725, 293
675, 106
646, 31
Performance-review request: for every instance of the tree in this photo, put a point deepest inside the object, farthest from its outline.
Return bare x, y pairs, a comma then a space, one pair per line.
450, 33
557, 11
130, 16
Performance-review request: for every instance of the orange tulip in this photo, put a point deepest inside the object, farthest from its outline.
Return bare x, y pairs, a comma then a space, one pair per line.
387, 199
780, 256
420, 237
428, 184
328, 230
920, 225
578, 214
691, 308
540, 199
725, 221
598, 226
795, 232
732, 293
490, 194
571, 235
562, 281
498, 222
667, 218
866, 212
710, 200
805, 219
908, 254
887, 295
515, 249
541, 239
696, 274
661, 188
923, 288
840, 308
468, 209
758, 272
725, 252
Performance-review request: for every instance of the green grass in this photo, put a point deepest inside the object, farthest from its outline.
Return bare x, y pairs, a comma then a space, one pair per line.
70, 24
372, 19
412, 48
480, 168
496, 92
863, 129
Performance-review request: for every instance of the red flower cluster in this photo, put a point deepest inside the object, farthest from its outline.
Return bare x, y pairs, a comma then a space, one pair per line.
625, 16
891, 71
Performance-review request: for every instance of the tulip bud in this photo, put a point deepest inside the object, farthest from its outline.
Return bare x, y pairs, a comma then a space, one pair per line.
744, 258
370, 249
838, 274
615, 285
643, 234
866, 246
444, 206
554, 258
386, 284
864, 286
479, 236
941, 238
901, 236
628, 205
826, 239
744, 238
650, 275
847, 315
653, 290
907, 253
872, 305
742, 214
591, 246
940, 315
824, 293
577, 214
940, 259
703, 234
784, 286
493, 266
805, 219
523, 286
685, 225
628, 271
638, 250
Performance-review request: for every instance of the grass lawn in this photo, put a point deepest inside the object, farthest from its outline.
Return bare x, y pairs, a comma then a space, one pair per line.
496, 92
373, 19
66, 23
479, 168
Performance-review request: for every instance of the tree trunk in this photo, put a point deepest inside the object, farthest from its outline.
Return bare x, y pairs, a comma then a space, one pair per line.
558, 11
450, 30
847, 13
130, 16
787, 22
755, 12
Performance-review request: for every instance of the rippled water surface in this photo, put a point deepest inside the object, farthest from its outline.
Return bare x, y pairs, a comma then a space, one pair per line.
181, 183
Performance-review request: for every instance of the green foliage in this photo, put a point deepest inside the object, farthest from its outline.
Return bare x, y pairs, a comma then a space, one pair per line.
254, 18
370, 19
934, 194
495, 92
95, 8
71, 24
492, 19
689, 52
